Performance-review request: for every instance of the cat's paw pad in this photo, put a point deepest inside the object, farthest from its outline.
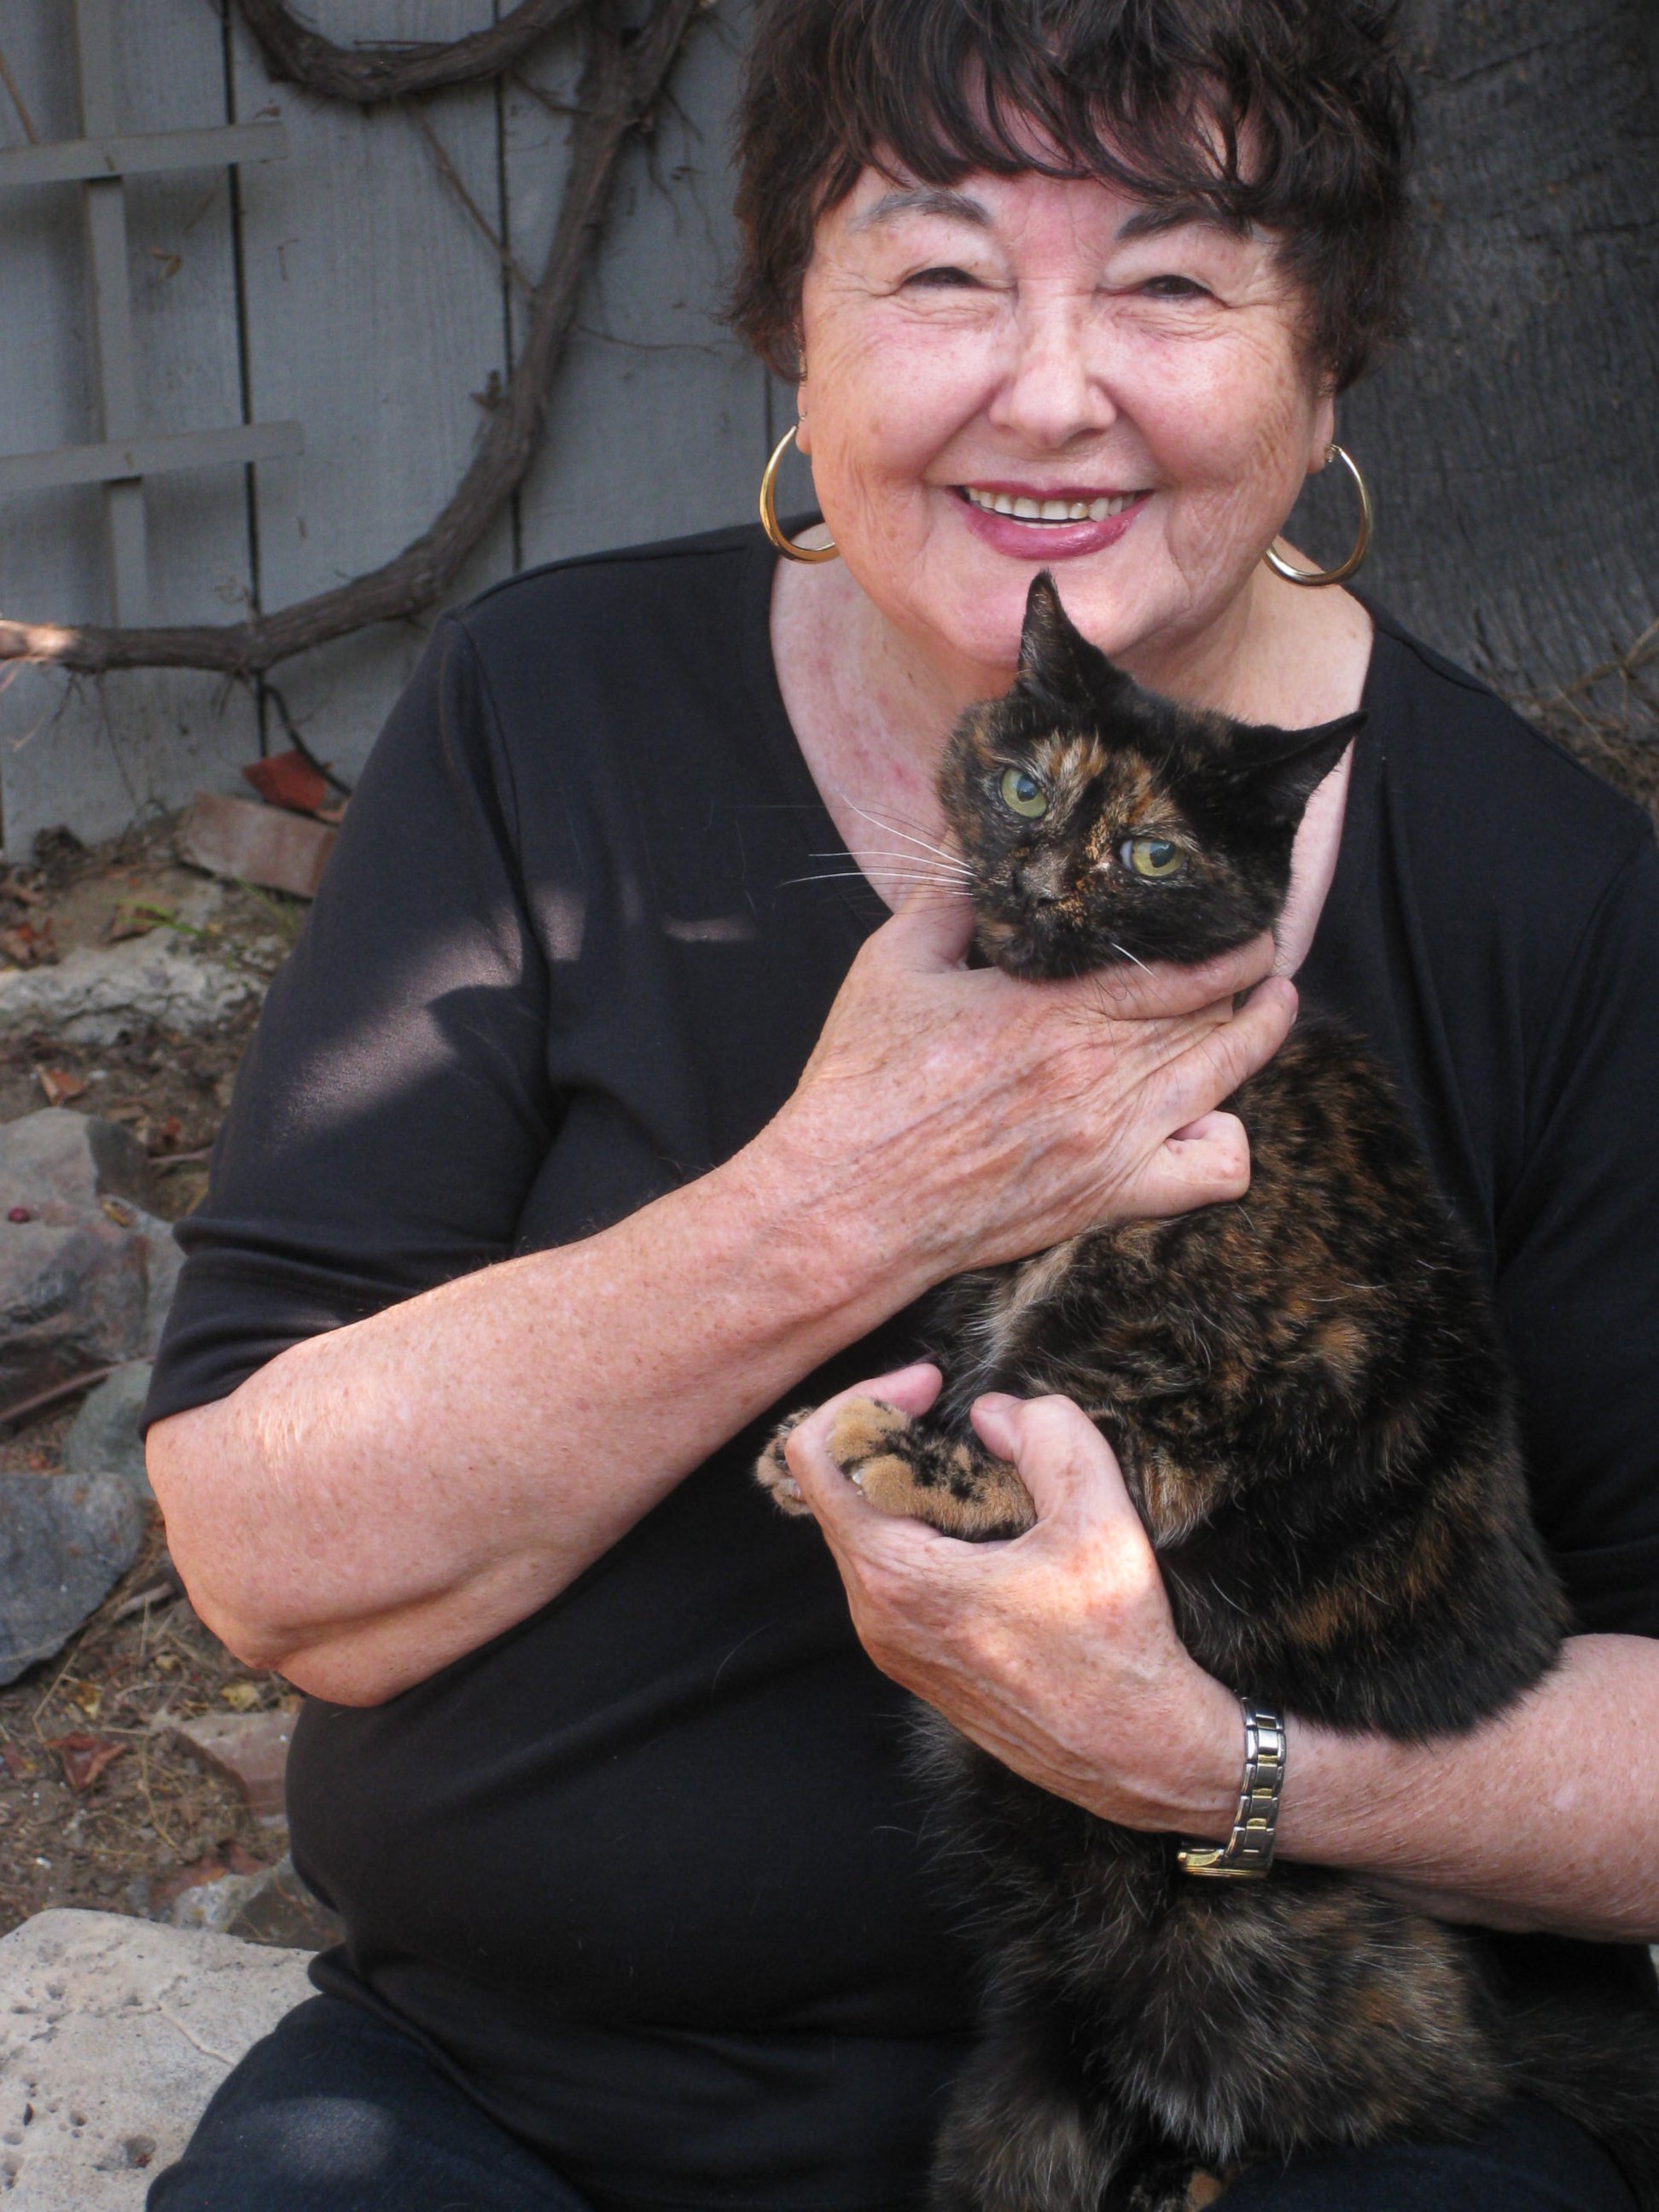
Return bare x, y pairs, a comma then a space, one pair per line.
772, 1468
869, 1442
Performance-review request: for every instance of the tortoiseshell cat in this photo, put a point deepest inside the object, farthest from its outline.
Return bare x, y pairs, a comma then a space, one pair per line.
1307, 1395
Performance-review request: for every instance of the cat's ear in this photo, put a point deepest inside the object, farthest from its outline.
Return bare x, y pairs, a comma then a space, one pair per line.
1282, 768
1056, 658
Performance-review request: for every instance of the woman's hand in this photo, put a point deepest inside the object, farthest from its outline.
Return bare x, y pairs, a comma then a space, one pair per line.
1056, 1652
951, 1117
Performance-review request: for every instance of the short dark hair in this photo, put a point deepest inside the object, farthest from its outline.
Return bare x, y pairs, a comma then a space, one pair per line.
1291, 114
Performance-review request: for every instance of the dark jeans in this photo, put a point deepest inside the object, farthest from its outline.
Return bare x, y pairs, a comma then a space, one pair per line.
336, 2112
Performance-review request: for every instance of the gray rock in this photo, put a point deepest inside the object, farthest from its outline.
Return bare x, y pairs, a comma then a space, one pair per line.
105, 1437
87, 1273
272, 1906
162, 1261
96, 993
76, 1158
73, 1296
64, 1542
113, 2034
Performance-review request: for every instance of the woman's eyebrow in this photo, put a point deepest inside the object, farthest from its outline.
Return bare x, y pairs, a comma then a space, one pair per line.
1174, 215
921, 199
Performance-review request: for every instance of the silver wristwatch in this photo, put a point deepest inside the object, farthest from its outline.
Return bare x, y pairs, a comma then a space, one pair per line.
1248, 1851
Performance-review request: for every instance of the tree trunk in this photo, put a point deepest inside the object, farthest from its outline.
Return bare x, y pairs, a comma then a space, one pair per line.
1512, 441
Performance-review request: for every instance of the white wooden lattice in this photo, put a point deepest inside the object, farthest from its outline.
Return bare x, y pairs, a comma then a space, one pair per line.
101, 160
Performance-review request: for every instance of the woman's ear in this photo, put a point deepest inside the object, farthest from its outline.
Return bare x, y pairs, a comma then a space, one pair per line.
803, 435
1324, 431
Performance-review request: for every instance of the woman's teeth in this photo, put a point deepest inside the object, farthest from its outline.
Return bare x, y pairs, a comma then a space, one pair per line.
1049, 510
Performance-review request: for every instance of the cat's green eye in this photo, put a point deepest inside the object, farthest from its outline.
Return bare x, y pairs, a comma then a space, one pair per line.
1155, 859
1022, 793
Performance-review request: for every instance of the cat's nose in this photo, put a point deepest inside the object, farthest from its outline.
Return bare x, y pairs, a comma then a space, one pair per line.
1041, 880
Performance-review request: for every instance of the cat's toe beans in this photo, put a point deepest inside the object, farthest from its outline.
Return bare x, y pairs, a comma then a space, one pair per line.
863, 1427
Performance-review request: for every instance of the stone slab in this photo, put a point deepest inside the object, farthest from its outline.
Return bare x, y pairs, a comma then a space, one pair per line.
253, 844
113, 2034
97, 992
250, 1749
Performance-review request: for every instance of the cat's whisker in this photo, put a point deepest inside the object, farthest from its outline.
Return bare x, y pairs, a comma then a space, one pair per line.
943, 869
1123, 951
893, 828
864, 876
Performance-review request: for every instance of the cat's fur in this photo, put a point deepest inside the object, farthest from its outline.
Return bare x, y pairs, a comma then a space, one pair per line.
1307, 1396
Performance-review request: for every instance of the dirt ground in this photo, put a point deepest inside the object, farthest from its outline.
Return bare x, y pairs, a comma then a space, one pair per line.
99, 1806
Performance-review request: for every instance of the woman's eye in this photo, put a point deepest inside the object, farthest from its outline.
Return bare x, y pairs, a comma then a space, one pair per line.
1153, 857
1022, 793
940, 277
1175, 288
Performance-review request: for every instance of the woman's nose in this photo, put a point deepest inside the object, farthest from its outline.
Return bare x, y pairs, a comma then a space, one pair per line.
1054, 392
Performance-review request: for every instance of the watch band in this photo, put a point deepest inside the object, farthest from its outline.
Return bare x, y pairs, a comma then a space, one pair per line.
1248, 1851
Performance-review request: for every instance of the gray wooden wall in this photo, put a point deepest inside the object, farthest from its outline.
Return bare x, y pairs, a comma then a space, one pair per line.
346, 287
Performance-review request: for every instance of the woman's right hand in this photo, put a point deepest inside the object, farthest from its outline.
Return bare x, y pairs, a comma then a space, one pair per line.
951, 1117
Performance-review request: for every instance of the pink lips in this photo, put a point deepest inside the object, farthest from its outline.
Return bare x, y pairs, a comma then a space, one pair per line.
1048, 541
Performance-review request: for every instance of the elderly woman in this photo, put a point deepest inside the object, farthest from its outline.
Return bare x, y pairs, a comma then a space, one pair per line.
604, 1109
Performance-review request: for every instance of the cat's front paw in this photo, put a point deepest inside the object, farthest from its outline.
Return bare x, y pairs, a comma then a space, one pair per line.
874, 1444
906, 1469
772, 1468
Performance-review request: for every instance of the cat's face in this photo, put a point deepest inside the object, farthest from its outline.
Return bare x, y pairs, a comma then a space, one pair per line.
1102, 824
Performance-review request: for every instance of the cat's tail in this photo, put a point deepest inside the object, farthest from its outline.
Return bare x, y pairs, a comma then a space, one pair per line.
1601, 2071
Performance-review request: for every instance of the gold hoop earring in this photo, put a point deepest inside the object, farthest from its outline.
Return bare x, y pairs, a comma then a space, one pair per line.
768, 513
1280, 567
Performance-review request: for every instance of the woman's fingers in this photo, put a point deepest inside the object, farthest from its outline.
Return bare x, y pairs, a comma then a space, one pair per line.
1138, 992
933, 929
1205, 1159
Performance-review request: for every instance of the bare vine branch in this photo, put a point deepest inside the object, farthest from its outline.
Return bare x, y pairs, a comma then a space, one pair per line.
620, 85
295, 54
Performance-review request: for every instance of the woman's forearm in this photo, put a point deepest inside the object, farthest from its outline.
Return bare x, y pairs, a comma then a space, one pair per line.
1547, 1818
380, 1499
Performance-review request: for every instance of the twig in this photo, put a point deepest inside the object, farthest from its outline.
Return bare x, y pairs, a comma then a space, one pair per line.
452, 177
26, 1408
336, 782
34, 1717
294, 54
149, 1799
157, 1594
619, 90
23, 115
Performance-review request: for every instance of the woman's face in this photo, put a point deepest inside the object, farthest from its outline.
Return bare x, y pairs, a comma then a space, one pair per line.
1061, 349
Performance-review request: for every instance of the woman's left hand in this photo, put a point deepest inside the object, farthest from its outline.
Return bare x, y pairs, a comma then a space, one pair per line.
1056, 1652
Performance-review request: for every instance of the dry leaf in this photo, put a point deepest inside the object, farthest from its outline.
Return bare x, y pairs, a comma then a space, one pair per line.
288, 780
89, 1697
59, 1084
27, 944
240, 1696
84, 1757
119, 1211
16, 1766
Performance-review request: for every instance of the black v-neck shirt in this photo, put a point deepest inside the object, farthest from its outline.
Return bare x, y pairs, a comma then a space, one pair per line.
645, 1871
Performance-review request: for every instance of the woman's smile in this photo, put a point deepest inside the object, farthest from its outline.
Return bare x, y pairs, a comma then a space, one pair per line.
1032, 522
